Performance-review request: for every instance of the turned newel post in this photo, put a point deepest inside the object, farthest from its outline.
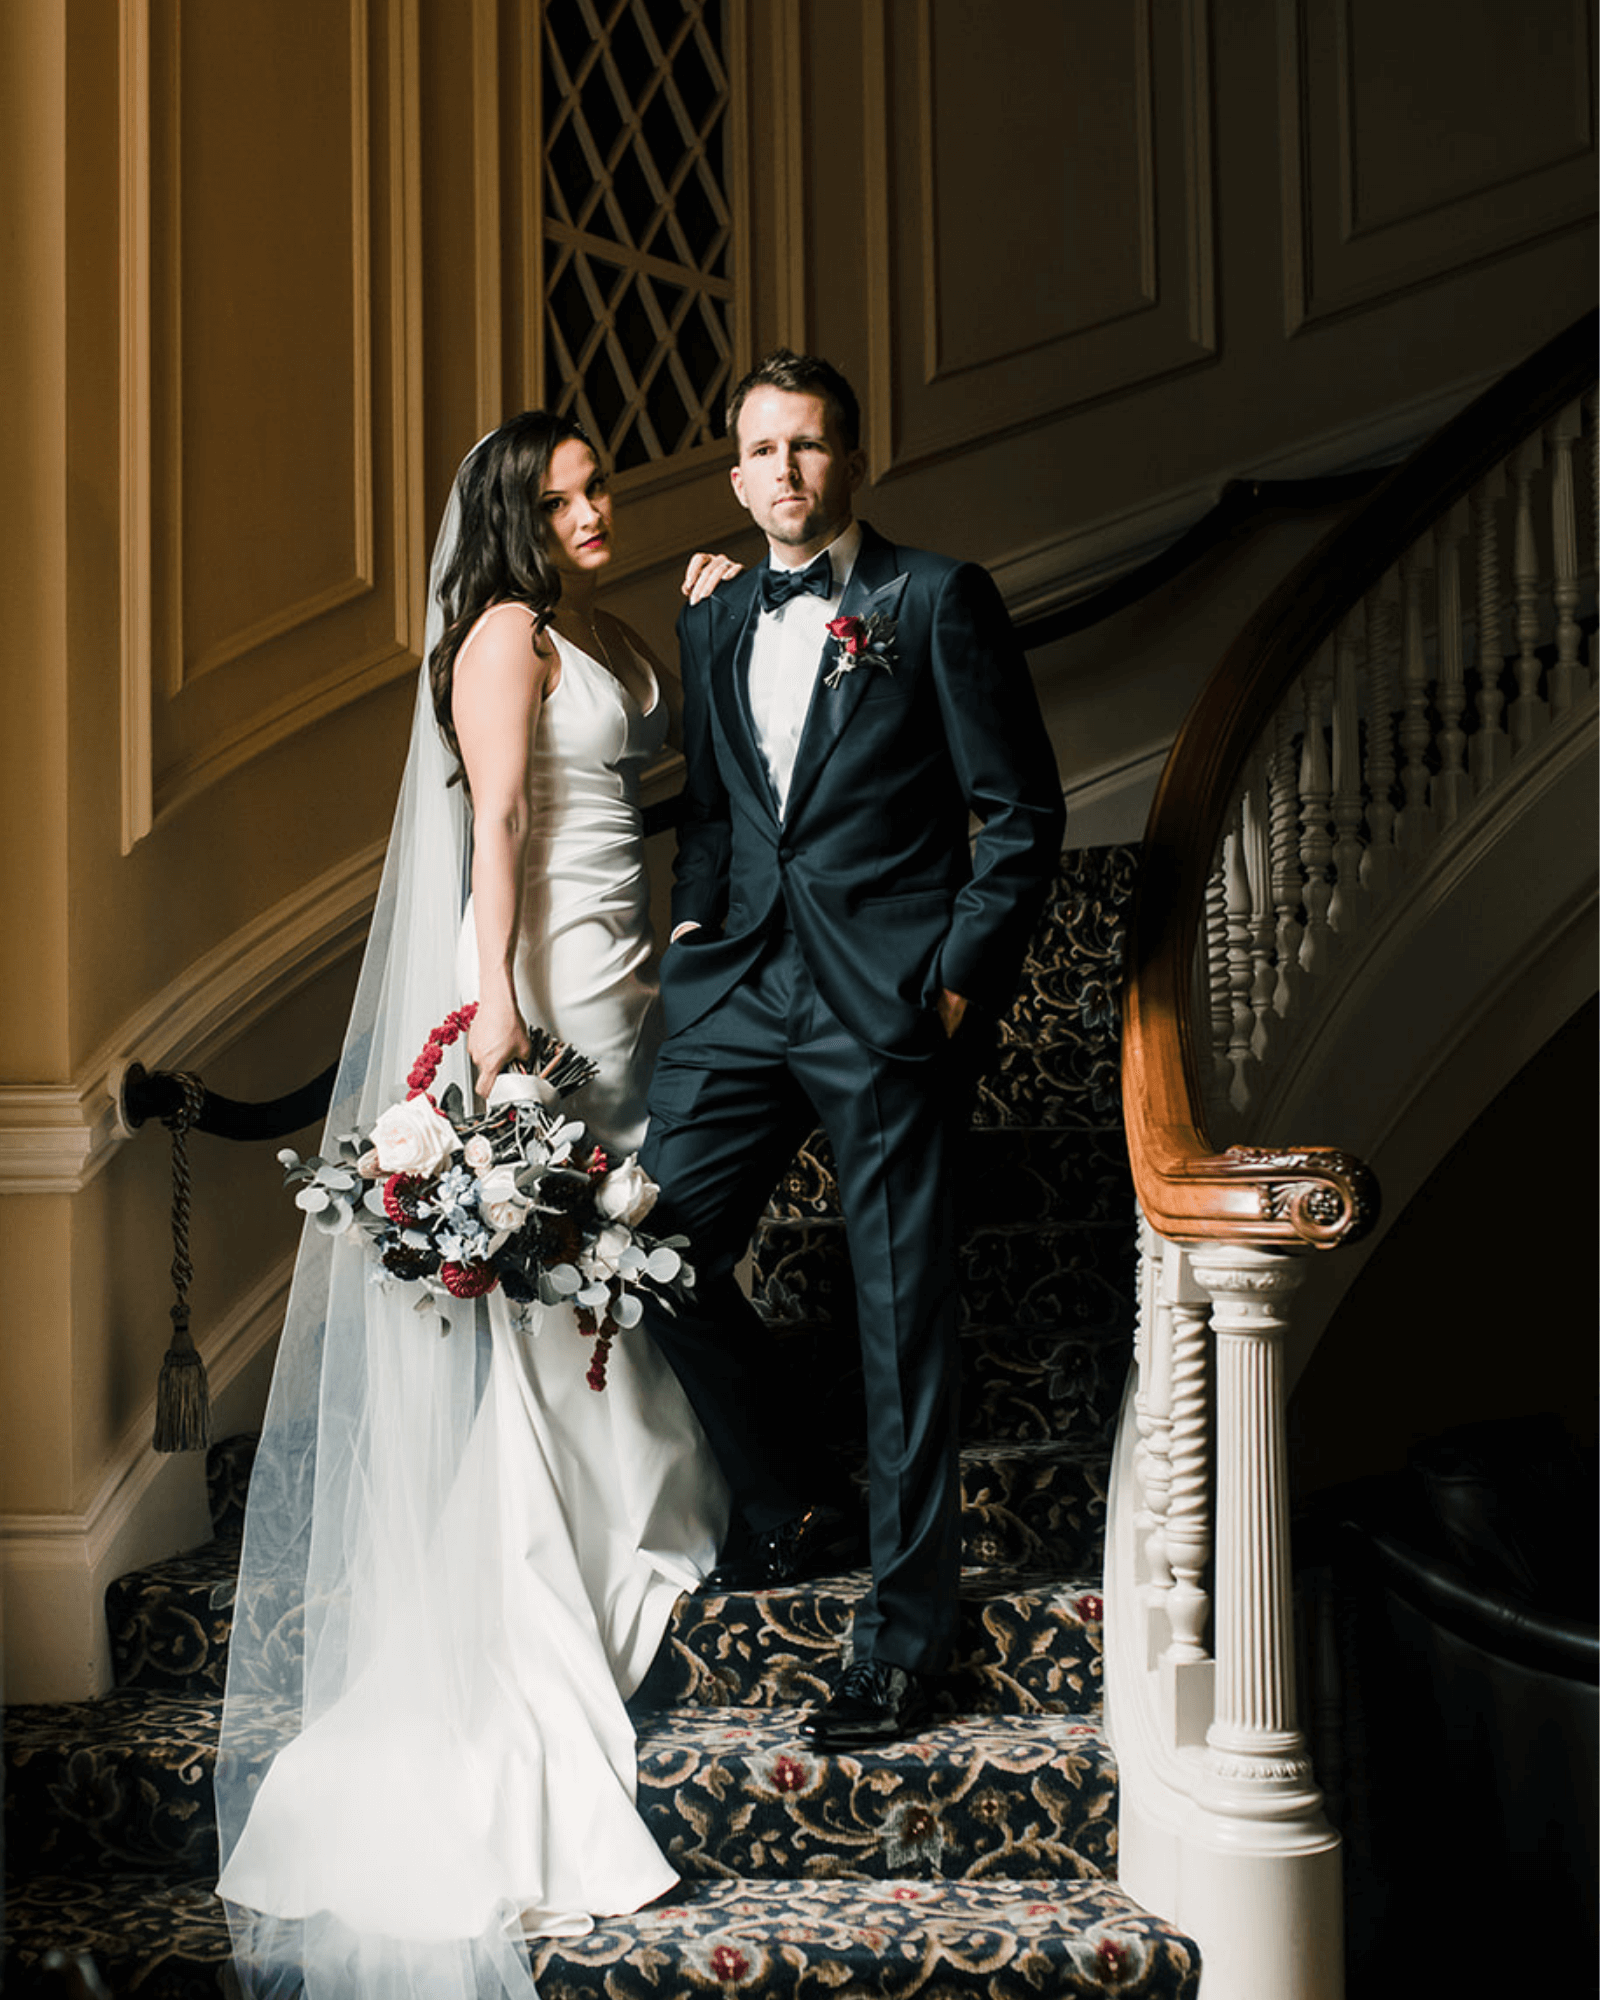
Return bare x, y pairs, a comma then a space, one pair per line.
1256, 1763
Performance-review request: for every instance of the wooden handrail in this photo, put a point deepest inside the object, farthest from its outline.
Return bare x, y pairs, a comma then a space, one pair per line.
1301, 1196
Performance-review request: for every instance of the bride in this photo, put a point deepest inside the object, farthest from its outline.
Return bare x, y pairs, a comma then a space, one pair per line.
458, 1559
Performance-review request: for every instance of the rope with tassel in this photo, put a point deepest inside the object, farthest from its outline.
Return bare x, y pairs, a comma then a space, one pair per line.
183, 1396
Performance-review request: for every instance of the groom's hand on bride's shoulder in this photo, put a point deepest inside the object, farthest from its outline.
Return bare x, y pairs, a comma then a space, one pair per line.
705, 572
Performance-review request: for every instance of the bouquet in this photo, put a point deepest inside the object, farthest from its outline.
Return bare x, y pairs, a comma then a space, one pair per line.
518, 1198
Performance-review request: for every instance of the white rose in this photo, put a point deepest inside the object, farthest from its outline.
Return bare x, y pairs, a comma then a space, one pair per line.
627, 1194
600, 1260
478, 1154
413, 1138
500, 1200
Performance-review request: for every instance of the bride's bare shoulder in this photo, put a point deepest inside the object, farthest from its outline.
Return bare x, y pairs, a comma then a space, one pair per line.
503, 639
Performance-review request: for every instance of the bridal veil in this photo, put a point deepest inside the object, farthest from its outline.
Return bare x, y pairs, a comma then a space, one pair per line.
383, 1610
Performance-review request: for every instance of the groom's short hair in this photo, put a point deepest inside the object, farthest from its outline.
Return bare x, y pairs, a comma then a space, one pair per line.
801, 375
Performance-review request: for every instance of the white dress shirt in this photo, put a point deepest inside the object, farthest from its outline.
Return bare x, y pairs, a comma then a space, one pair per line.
785, 658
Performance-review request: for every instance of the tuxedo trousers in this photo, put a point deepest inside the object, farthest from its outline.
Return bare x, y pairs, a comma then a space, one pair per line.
734, 1095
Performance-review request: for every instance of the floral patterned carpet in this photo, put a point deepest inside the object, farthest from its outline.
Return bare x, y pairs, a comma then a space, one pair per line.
978, 1859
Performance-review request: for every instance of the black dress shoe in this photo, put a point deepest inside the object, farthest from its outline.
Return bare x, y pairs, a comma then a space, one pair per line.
820, 1542
874, 1702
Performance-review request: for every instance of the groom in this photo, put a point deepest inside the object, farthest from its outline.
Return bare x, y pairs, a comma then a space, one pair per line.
838, 941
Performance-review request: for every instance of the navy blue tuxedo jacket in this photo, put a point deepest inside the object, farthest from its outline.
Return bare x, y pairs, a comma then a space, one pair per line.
888, 896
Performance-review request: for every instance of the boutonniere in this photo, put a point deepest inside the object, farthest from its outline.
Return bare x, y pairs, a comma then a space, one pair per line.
860, 642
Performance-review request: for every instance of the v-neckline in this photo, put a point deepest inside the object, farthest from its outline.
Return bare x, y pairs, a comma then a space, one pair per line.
644, 714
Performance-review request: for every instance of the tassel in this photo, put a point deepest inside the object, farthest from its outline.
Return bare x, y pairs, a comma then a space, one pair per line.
183, 1395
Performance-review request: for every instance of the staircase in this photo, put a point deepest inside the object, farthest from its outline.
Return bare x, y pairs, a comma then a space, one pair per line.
979, 1858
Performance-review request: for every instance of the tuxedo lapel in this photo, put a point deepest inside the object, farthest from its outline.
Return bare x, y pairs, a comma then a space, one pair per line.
734, 614
875, 586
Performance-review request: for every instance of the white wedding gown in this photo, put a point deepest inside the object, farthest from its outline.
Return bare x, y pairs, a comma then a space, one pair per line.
473, 1778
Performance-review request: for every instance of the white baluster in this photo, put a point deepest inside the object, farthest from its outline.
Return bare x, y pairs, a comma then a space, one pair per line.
1529, 712
1564, 433
1347, 905
1188, 1527
1378, 861
1451, 790
1221, 1004
1148, 1248
1258, 867
1241, 1017
1152, 1407
1284, 830
1415, 829
1254, 1742
1491, 746
1266, 1860
1318, 948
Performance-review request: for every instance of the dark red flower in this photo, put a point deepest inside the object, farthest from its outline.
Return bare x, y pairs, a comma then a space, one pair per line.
1113, 1961
467, 1281
726, 1963
787, 1775
400, 1197
1090, 1608
847, 631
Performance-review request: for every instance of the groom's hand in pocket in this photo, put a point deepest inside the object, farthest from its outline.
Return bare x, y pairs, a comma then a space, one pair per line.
952, 1008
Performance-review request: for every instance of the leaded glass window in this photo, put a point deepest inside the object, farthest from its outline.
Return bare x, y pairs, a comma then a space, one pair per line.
638, 284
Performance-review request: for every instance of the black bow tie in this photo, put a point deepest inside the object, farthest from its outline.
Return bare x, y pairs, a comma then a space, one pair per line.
779, 585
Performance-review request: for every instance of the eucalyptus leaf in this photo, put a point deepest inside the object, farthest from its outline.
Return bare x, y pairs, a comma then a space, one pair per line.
627, 1311
565, 1279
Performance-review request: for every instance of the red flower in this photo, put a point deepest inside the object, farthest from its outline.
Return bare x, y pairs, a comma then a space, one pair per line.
400, 1198
467, 1281
728, 1964
847, 631
597, 1166
1090, 1608
1112, 1959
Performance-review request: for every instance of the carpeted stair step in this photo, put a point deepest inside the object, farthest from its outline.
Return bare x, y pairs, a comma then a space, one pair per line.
229, 1463
1027, 1640
839, 1940
1025, 1385
1057, 1275
725, 1792
1007, 1175
169, 1622
1022, 1383
1035, 1506
1025, 1644
1057, 1059
115, 1784
739, 1791
1030, 1504
124, 1783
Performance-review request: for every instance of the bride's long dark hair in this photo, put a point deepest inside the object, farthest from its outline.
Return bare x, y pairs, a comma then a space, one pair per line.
499, 553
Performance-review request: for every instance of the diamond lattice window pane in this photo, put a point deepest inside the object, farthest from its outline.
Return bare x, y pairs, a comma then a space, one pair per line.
637, 276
